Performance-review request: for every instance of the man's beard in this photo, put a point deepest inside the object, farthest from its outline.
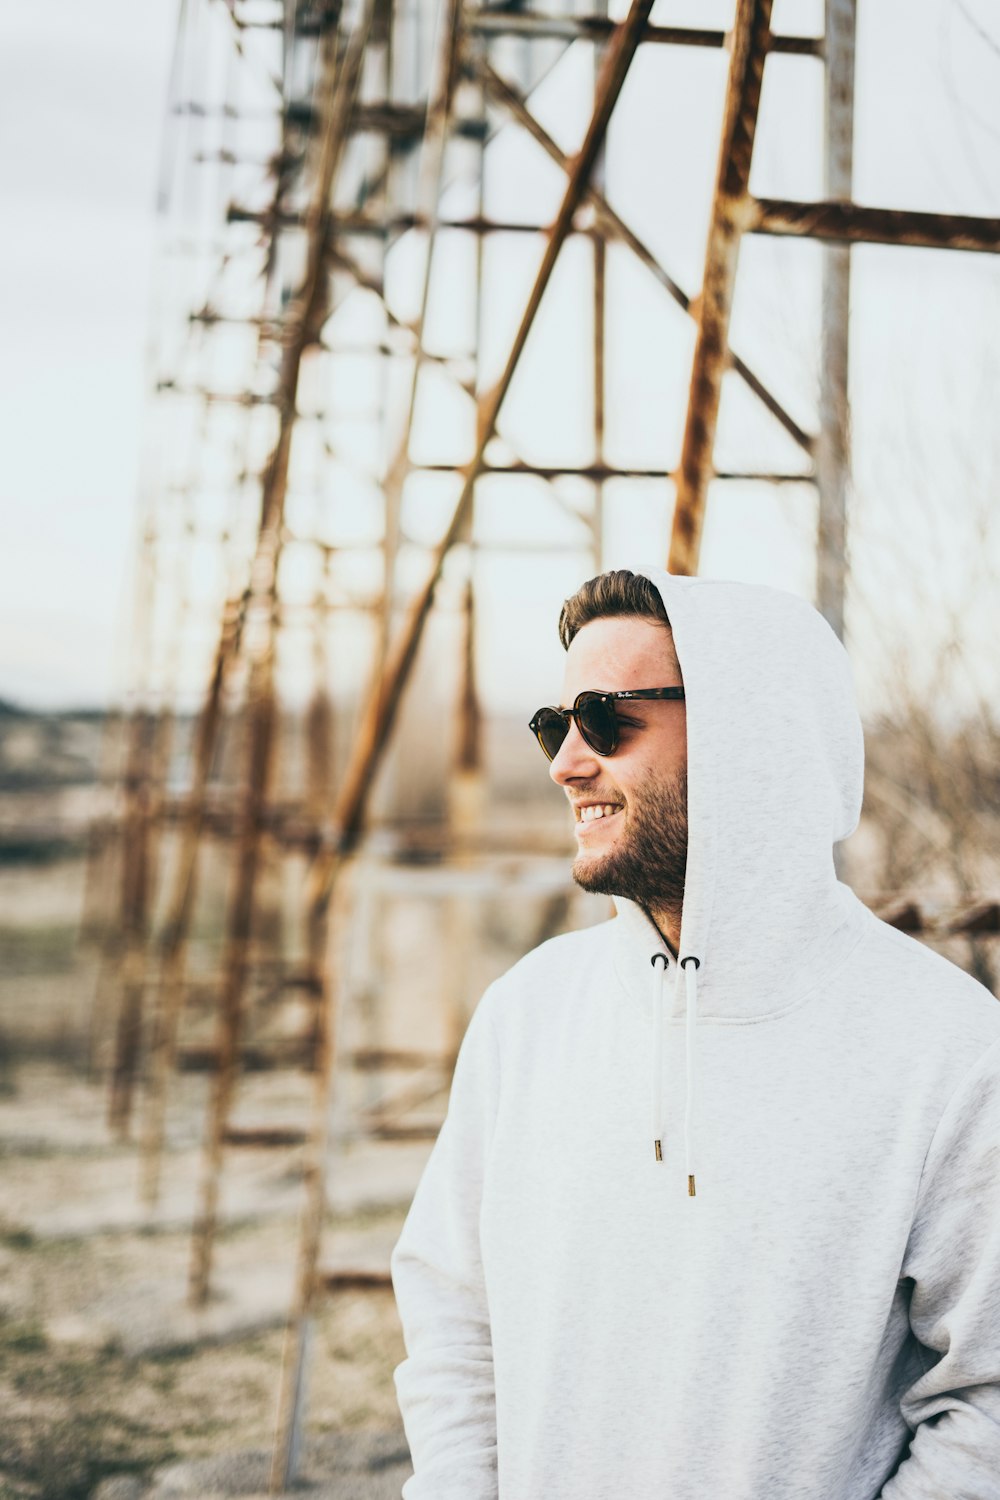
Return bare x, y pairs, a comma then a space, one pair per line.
648, 860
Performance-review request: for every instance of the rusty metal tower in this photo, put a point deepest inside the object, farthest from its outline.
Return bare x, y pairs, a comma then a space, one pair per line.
329, 455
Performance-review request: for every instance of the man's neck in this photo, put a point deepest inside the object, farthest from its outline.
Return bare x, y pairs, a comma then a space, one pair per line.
668, 925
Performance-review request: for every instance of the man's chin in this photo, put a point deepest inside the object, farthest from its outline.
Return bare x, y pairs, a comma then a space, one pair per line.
592, 872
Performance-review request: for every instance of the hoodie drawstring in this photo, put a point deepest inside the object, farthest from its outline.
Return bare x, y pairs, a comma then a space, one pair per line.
659, 986
689, 966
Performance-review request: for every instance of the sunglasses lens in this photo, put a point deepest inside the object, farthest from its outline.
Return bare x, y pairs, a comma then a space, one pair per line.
551, 729
597, 722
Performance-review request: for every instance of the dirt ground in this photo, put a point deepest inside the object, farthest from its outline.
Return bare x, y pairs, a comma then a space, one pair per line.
103, 1370
84, 1392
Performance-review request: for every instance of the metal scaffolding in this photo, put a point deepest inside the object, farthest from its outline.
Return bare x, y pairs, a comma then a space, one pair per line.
321, 155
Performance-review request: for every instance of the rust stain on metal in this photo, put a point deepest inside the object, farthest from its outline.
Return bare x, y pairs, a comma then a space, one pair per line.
598, 27
750, 45
853, 223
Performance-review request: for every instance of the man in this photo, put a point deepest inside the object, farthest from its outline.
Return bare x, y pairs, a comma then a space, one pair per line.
715, 1213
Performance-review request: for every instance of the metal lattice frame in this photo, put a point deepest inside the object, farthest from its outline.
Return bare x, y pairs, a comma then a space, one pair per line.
356, 115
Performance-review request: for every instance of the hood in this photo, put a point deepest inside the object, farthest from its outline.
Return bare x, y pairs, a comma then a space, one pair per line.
775, 777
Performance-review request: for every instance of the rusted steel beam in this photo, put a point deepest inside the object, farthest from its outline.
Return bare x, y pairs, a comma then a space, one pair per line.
431, 177
137, 866
239, 922
338, 86
222, 398
343, 1279
469, 738
354, 221
284, 1055
600, 314
180, 906
597, 28
319, 741
981, 920
403, 121
833, 452
382, 1059
600, 472
380, 711
415, 1131
271, 328
599, 185
854, 224
325, 931
569, 28
265, 1137
751, 35
122, 977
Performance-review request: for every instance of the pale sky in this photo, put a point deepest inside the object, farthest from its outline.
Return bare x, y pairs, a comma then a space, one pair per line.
82, 94
82, 90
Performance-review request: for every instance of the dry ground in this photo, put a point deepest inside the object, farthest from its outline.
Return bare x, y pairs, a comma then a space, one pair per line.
80, 1401
101, 1369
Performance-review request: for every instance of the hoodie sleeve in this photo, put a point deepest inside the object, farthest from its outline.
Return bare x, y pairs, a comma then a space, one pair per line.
953, 1258
445, 1385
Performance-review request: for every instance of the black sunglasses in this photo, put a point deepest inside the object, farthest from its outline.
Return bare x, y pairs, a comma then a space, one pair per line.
595, 718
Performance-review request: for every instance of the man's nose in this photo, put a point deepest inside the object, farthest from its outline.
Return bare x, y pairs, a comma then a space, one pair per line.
574, 760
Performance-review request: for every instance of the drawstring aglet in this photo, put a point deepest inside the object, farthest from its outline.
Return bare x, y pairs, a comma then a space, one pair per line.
691, 1186
659, 1151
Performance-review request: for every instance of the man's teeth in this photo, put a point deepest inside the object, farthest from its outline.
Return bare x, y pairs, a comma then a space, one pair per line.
597, 810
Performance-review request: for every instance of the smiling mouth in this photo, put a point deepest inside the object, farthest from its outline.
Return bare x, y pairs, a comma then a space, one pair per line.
596, 812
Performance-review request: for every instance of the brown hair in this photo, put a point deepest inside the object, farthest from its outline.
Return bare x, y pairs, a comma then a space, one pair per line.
616, 593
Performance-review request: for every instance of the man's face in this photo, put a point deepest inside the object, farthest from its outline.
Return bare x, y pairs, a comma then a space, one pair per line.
640, 849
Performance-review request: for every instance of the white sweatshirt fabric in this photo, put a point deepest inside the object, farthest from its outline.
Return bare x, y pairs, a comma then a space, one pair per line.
821, 1319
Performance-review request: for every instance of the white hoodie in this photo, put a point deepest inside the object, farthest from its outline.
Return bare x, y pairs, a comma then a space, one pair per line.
821, 1320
